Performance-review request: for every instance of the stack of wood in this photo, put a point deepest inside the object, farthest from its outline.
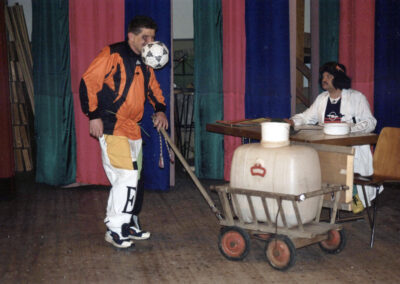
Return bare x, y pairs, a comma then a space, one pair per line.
21, 86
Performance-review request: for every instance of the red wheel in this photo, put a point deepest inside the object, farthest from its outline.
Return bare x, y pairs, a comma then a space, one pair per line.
234, 243
280, 252
335, 243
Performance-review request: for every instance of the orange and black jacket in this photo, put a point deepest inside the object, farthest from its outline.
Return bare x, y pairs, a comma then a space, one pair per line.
114, 88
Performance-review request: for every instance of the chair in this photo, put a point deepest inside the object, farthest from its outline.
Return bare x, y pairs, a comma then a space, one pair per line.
386, 163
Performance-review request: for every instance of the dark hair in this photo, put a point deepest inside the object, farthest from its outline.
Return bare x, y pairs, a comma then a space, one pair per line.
139, 22
340, 79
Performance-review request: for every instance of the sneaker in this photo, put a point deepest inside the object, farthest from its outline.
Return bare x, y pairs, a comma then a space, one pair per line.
131, 232
357, 205
114, 239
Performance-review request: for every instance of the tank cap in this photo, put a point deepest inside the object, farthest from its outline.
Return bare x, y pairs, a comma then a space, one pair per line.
275, 134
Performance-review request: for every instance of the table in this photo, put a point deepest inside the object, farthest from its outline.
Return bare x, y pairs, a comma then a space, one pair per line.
305, 135
336, 156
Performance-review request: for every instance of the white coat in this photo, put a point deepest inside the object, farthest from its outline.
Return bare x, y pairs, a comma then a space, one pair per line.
353, 105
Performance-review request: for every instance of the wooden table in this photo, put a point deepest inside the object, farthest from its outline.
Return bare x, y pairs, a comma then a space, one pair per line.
309, 136
335, 152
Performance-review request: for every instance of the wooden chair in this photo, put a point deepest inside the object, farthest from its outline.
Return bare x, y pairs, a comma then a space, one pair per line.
386, 163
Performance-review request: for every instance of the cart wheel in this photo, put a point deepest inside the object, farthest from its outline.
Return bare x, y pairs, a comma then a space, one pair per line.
280, 252
234, 243
335, 243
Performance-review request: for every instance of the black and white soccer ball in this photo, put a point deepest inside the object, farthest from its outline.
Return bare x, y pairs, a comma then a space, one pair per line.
155, 54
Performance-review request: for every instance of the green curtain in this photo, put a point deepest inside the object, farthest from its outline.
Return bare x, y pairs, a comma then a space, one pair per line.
209, 156
54, 120
328, 30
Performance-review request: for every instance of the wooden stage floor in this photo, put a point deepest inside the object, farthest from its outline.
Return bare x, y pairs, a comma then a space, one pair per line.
54, 235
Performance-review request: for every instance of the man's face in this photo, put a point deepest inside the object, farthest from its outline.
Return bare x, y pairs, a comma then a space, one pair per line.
327, 81
137, 41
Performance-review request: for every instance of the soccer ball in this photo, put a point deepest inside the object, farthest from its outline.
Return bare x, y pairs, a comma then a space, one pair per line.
155, 54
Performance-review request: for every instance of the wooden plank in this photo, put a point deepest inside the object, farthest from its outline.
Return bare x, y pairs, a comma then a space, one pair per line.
237, 206
253, 212
19, 71
13, 72
9, 28
311, 230
24, 136
14, 95
20, 92
22, 114
337, 168
19, 165
226, 208
26, 69
15, 115
307, 136
27, 160
24, 32
12, 53
17, 137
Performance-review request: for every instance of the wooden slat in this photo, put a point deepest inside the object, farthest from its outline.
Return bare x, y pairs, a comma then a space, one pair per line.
15, 115
22, 57
24, 136
24, 32
19, 71
22, 114
19, 165
13, 72
13, 95
253, 212
27, 160
20, 92
17, 137
226, 207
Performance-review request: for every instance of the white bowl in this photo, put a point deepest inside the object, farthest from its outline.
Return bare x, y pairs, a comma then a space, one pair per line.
336, 128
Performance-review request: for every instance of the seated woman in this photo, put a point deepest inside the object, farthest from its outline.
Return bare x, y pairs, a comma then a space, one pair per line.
339, 103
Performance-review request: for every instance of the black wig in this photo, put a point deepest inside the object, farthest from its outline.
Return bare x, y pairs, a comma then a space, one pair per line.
340, 79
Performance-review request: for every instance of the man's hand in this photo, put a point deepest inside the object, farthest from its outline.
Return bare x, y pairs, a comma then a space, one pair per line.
96, 127
160, 120
291, 122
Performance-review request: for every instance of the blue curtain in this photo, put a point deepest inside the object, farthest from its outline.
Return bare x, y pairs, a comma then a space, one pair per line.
154, 177
387, 63
267, 59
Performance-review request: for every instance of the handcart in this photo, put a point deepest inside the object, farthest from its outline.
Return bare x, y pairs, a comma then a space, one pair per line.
281, 242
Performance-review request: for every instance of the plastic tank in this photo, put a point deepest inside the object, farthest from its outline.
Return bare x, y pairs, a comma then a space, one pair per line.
275, 166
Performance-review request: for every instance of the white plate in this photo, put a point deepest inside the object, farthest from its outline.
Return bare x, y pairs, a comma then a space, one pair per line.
336, 128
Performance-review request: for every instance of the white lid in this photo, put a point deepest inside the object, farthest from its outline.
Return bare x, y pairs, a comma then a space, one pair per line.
275, 134
336, 128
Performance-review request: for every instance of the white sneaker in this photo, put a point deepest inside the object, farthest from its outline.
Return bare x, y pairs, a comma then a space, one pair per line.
114, 239
134, 233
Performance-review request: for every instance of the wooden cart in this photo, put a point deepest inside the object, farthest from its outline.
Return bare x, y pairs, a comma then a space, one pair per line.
280, 242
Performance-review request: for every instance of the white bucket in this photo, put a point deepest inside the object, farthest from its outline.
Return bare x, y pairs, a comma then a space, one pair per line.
275, 134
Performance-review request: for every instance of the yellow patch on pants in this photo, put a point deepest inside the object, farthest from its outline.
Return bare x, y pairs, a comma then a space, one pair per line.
119, 152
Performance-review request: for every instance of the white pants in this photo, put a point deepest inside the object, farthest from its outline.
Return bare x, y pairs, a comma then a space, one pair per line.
122, 160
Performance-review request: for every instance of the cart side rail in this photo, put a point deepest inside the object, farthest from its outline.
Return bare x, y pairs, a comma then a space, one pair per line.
229, 201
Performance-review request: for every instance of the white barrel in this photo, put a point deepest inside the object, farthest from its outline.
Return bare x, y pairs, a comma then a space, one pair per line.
285, 169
